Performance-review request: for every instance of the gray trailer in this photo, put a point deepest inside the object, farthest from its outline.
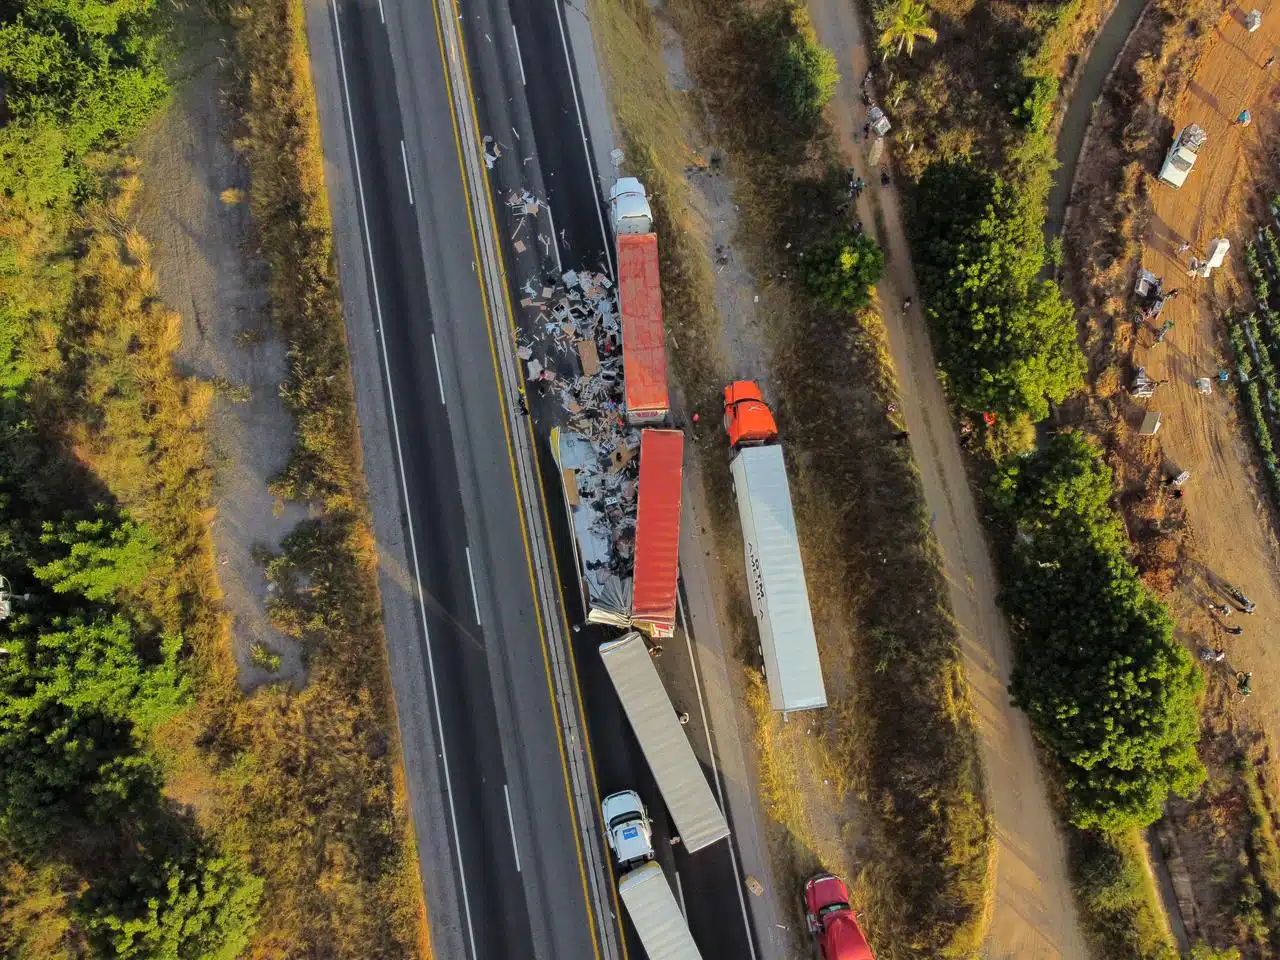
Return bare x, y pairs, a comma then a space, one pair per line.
656, 915
677, 771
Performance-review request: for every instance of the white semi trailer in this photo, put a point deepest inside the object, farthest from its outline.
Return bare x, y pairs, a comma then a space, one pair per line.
775, 572
676, 769
656, 915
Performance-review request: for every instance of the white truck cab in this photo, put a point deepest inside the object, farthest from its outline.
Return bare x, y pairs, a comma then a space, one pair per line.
629, 207
627, 827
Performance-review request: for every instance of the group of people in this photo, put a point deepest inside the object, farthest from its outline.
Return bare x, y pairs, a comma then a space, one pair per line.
1244, 679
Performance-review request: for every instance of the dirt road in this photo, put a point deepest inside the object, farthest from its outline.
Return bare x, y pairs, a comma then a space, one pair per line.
1224, 501
1034, 913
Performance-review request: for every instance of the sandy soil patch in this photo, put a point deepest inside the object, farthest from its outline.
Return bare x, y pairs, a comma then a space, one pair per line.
198, 252
1225, 503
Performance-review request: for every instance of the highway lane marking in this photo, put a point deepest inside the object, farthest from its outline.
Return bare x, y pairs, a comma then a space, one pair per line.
472, 574
404, 158
586, 149
680, 894
519, 60
555, 239
715, 770
404, 484
512, 824
564, 725
382, 14
435, 353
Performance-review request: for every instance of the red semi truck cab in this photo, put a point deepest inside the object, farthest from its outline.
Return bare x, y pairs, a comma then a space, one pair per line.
832, 921
747, 418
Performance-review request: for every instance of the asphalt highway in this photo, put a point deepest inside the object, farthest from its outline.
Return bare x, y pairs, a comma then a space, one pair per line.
526, 91
527, 871
515, 856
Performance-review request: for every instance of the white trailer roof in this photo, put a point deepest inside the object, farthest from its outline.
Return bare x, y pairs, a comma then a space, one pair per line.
662, 739
779, 596
656, 915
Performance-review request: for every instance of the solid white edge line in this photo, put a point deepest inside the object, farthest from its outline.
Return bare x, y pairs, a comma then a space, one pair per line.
519, 58
472, 575
435, 353
715, 772
555, 239
404, 158
680, 894
404, 485
586, 148
515, 847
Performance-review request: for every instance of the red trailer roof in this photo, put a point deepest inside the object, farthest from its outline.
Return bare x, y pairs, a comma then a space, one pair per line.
644, 353
657, 561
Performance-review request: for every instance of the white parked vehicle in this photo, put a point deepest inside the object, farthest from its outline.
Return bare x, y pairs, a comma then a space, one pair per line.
1182, 155
627, 827
629, 207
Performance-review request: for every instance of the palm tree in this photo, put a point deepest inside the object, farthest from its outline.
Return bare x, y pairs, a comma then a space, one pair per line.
904, 23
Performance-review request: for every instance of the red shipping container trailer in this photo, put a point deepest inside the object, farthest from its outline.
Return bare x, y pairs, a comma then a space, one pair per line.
657, 558
644, 351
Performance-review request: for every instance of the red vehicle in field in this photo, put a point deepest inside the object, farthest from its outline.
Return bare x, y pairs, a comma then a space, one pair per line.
832, 921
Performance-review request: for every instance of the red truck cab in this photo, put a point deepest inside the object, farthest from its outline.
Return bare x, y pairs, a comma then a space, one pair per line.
832, 921
747, 418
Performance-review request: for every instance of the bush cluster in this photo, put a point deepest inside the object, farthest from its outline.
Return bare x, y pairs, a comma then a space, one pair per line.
77, 77
94, 654
1006, 337
841, 271
1253, 338
1109, 691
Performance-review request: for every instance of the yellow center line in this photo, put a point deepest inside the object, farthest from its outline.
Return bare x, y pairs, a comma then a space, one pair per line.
502, 399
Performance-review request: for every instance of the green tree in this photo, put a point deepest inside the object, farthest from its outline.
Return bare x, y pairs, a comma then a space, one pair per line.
103, 557
901, 25
187, 904
1107, 688
805, 77
1007, 338
74, 698
79, 76
841, 271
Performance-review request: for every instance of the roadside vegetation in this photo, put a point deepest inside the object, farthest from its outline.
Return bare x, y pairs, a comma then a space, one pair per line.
899, 742
147, 807
1110, 693
1113, 699
1255, 339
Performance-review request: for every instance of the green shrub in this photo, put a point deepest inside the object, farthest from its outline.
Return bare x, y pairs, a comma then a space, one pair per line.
264, 658
78, 77
1034, 107
1120, 909
805, 77
840, 272
175, 904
